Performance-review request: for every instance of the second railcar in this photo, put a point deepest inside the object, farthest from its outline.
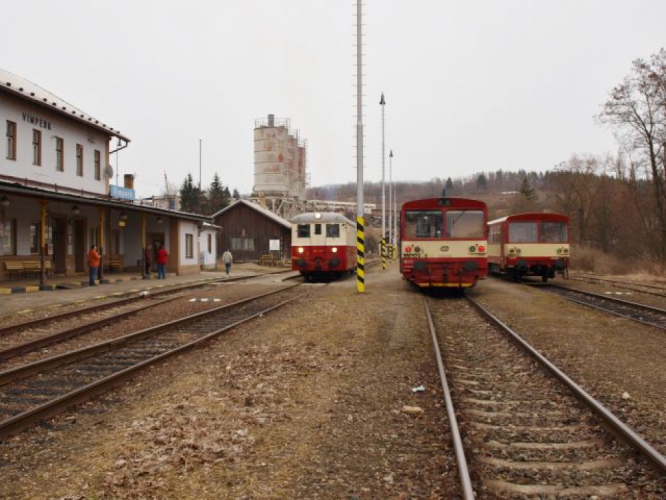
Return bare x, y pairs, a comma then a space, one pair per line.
323, 245
443, 242
529, 244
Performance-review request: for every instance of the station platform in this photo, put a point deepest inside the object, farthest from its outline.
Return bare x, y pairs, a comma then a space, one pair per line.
16, 296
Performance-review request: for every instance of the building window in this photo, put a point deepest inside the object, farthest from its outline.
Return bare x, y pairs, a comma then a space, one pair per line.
98, 166
34, 237
36, 147
246, 244
210, 243
8, 237
189, 246
79, 160
60, 154
11, 140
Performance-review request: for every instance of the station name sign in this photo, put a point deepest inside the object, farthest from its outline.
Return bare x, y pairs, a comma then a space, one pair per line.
121, 193
39, 122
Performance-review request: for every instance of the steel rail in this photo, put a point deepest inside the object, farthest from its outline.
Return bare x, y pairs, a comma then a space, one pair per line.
65, 358
463, 469
53, 407
77, 331
13, 328
619, 427
627, 303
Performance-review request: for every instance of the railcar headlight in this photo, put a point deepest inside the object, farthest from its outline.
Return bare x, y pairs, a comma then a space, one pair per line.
559, 250
566, 250
334, 249
472, 248
482, 248
408, 249
300, 249
512, 250
417, 249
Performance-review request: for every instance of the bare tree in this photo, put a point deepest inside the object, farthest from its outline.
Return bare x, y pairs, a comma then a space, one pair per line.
637, 109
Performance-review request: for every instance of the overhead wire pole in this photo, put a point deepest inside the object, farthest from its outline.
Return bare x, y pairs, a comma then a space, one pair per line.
395, 207
360, 232
382, 103
390, 204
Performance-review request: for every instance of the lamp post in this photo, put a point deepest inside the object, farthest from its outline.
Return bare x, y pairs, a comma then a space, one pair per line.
360, 231
391, 212
382, 103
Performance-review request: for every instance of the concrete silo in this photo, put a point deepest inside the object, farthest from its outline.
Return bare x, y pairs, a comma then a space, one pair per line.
279, 159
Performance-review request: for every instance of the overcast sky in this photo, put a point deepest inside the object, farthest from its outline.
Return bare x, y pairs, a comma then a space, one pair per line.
470, 85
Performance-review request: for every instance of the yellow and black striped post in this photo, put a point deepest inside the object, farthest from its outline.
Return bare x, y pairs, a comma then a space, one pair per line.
384, 253
360, 254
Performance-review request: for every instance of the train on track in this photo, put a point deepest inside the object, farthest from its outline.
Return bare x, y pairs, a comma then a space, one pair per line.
443, 242
323, 245
529, 244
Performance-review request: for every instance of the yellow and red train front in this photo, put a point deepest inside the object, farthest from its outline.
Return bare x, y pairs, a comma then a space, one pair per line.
443, 242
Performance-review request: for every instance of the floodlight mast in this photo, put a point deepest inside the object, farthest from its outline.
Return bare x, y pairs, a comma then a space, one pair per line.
360, 233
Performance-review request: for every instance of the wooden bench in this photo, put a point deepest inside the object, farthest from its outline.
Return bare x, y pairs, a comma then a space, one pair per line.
35, 266
266, 260
13, 268
116, 263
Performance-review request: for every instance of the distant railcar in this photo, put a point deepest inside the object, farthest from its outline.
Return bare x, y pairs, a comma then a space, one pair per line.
529, 244
323, 245
443, 242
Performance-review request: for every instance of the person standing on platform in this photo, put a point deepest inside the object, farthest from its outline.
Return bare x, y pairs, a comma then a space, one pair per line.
93, 263
227, 258
147, 260
162, 256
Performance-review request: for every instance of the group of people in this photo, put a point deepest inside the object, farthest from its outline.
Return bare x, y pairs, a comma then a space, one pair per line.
94, 260
162, 255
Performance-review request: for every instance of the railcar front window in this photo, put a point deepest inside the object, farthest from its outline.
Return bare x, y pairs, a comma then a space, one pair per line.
465, 224
332, 230
553, 232
304, 230
423, 224
317, 228
523, 232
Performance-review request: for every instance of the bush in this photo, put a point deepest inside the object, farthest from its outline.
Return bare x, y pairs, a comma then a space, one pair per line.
584, 258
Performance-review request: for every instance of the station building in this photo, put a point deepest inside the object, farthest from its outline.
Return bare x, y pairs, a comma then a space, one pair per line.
57, 199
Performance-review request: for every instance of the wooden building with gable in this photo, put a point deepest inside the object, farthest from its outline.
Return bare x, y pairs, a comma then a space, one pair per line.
251, 232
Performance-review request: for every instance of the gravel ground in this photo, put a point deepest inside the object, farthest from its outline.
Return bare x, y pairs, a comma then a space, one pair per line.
306, 402
617, 361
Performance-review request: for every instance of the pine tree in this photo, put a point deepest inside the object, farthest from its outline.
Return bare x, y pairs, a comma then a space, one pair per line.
218, 196
236, 193
481, 182
527, 191
190, 196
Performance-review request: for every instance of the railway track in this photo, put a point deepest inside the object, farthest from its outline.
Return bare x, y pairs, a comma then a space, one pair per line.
656, 290
525, 429
39, 390
29, 336
641, 313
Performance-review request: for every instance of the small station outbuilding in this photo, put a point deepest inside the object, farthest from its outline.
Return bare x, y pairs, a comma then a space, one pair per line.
252, 232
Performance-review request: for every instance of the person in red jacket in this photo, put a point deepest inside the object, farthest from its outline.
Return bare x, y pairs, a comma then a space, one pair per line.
162, 256
93, 263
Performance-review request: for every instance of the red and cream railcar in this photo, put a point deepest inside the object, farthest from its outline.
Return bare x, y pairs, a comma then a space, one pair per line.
443, 242
323, 245
529, 244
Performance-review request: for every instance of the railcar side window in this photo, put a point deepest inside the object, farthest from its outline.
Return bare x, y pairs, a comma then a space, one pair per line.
332, 230
553, 232
465, 224
317, 228
304, 230
423, 224
523, 232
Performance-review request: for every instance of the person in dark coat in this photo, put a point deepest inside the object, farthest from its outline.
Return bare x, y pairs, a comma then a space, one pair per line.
148, 260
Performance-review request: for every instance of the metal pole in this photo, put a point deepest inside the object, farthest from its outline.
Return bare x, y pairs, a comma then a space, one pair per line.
390, 217
360, 232
382, 102
395, 207
199, 164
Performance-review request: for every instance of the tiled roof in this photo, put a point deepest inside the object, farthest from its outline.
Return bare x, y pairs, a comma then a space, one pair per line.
21, 87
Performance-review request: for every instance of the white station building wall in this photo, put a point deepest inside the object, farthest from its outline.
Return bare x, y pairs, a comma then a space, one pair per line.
27, 118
